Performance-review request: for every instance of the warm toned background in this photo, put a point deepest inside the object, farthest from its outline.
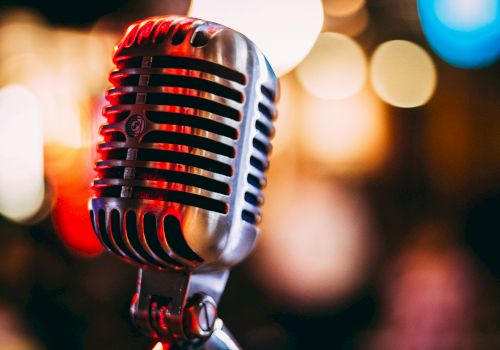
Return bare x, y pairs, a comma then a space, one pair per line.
382, 213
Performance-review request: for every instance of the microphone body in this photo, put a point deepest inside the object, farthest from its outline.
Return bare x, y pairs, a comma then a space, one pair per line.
180, 179
181, 170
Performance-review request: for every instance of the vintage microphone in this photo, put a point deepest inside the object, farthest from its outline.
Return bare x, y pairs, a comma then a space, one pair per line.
181, 169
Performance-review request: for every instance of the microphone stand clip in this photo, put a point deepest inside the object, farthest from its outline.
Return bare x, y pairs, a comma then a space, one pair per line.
179, 308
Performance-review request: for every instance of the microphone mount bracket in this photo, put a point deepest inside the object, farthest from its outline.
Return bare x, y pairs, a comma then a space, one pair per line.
179, 308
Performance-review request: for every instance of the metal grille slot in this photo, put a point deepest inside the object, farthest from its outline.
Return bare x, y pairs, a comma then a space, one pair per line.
132, 234
150, 233
267, 111
196, 122
259, 158
181, 198
121, 78
267, 130
256, 182
110, 136
117, 97
186, 63
176, 241
177, 138
269, 93
258, 163
108, 192
178, 177
249, 217
117, 236
261, 146
114, 114
113, 153
185, 159
104, 234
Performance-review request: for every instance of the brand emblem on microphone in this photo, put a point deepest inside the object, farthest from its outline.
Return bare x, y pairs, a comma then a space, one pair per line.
135, 125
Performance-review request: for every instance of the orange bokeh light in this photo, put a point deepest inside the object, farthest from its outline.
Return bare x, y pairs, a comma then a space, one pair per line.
69, 172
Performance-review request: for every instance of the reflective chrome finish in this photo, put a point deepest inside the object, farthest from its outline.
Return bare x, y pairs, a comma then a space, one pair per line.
179, 183
186, 144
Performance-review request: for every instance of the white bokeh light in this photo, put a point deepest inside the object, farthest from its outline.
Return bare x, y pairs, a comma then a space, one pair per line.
345, 137
466, 15
403, 74
285, 30
316, 244
335, 68
21, 153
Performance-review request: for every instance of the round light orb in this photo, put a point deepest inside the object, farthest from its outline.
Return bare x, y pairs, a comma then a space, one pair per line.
464, 33
403, 74
342, 8
335, 68
347, 137
21, 149
352, 25
316, 245
285, 30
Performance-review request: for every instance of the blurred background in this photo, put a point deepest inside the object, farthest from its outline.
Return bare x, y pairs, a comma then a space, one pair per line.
382, 216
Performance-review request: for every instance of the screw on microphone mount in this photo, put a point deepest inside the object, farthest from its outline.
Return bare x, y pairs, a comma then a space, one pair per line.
200, 316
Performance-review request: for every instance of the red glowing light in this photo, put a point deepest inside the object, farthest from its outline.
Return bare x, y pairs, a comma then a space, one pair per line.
69, 171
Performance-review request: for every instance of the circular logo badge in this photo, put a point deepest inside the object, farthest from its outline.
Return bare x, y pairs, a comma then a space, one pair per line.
135, 125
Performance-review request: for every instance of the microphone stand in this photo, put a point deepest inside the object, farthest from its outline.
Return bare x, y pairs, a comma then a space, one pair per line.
179, 309
221, 339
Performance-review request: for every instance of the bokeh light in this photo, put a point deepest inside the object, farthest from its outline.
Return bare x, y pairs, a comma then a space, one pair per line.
403, 74
285, 30
352, 25
70, 173
346, 137
317, 239
341, 8
61, 71
465, 33
335, 68
425, 271
21, 153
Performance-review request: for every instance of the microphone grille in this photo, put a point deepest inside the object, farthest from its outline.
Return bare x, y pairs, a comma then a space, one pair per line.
179, 121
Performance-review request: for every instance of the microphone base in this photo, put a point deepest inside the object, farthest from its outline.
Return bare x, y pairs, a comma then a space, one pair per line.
180, 307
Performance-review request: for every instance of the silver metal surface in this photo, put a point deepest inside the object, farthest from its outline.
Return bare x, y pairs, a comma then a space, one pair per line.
221, 339
179, 183
177, 306
185, 147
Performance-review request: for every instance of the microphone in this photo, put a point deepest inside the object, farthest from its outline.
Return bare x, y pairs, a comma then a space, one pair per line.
181, 170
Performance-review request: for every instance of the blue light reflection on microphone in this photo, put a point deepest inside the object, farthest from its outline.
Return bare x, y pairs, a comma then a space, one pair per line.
464, 33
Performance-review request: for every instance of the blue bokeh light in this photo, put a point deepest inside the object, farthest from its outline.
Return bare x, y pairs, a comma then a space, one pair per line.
464, 33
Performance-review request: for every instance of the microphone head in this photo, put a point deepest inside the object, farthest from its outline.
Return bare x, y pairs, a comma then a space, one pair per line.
186, 143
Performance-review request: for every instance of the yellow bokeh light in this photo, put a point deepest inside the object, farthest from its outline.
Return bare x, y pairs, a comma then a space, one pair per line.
341, 8
316, 237
285, 30
351, 25
334, 69
403, 74
347, 137
21, 152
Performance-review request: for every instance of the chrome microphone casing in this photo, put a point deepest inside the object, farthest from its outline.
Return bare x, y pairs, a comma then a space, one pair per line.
186, 145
